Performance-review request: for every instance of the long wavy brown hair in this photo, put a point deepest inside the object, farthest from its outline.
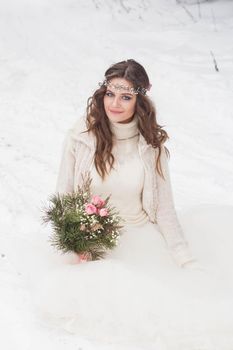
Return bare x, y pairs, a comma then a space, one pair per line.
97, 121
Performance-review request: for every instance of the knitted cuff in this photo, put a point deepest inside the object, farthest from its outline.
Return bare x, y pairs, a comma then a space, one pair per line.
181, 255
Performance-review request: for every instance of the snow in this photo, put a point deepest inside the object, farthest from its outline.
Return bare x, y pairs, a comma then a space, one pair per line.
45, 48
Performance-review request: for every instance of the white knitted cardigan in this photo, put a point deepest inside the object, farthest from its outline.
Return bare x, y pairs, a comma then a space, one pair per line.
157, 198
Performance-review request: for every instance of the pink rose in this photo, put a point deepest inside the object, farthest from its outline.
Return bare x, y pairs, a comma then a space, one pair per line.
103, 212
90, 209
99, 202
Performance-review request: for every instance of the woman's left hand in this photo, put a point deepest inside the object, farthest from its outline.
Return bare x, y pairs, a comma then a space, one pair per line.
194, 265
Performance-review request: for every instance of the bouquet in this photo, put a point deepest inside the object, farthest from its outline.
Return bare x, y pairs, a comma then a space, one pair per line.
83, 223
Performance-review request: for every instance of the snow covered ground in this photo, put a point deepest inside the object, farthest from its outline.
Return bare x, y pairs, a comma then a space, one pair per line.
52, 55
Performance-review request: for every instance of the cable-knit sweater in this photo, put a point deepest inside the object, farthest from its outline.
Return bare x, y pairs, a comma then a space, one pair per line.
126, 181
157, 198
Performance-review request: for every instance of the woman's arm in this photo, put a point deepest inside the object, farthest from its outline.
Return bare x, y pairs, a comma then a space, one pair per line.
65, 179
166, 216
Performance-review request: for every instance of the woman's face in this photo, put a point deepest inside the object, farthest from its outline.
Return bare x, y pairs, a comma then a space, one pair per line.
119, 104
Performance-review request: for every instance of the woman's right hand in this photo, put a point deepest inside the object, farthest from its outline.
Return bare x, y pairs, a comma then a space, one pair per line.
85, 256
77, 258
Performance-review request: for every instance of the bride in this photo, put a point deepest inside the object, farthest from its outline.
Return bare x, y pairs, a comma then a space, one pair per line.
152, 290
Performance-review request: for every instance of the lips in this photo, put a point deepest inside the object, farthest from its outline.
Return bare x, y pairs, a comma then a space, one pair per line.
116, 112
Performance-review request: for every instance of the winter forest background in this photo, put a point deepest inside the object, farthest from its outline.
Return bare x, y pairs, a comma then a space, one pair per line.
53, 53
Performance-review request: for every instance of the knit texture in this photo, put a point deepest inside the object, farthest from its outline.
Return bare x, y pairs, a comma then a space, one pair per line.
126, 180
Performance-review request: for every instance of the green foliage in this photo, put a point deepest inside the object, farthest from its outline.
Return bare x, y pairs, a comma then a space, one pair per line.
75, 230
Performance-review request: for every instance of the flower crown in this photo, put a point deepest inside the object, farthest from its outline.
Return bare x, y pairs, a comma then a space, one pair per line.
135, 91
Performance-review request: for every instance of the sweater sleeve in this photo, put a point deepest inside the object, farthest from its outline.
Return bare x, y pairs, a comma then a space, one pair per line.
65, 178
167, 219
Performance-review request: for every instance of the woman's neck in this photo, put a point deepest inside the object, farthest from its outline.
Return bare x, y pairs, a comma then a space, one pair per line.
124, 130
127, 120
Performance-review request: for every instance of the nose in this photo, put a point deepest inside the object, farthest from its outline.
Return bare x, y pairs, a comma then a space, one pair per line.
116, 101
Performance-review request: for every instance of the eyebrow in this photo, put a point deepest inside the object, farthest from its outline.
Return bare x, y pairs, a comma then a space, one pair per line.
124, 93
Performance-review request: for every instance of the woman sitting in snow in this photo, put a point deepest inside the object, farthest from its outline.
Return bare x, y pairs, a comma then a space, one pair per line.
150, 288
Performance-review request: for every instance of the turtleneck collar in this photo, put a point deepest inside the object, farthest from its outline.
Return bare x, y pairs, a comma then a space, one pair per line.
122, 131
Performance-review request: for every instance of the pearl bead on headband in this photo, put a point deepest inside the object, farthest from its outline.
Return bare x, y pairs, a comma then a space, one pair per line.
132, 90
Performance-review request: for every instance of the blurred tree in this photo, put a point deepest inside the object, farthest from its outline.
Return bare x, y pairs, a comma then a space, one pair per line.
191, 1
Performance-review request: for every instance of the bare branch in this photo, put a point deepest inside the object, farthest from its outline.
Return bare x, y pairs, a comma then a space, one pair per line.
215, 62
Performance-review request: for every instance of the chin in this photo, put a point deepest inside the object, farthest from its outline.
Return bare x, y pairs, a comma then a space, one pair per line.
116, 118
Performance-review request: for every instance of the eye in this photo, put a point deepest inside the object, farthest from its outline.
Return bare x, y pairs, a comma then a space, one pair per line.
127, 98
108, 94
124, 97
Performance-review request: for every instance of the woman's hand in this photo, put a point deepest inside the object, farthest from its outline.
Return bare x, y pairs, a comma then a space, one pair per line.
193, 265
85, 256
76, 258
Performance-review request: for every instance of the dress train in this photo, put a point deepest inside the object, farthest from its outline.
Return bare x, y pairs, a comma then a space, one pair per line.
137, 294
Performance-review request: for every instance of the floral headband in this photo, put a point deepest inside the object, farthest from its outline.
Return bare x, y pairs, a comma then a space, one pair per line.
140, 89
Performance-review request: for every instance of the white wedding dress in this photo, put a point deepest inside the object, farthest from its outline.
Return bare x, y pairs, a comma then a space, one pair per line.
137, 297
